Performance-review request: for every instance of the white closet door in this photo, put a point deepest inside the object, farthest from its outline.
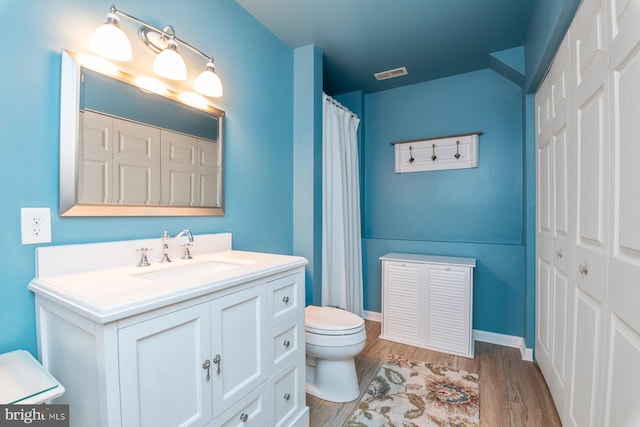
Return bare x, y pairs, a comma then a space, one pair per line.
622, 368
95, 154
553, 238
178, 169
589, 270
209, 171
136, 163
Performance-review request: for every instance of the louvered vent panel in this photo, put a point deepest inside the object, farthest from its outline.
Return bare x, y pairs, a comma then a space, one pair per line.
447, 313
401, 313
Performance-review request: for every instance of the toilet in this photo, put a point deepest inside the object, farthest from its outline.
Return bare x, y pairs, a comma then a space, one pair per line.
333, 339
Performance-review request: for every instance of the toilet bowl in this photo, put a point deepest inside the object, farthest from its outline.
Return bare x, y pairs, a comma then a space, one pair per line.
333, 338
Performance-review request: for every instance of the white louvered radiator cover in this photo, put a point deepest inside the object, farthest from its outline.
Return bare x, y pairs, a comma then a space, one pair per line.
427, 301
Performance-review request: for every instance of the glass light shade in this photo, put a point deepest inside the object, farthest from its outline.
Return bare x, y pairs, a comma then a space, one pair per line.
169, 64
208, 83
110, 41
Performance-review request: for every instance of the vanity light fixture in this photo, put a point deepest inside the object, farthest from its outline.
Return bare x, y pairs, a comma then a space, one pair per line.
110, 41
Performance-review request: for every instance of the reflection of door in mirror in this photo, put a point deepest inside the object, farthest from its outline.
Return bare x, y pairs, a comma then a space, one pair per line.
131, 163
119, 161
132, 152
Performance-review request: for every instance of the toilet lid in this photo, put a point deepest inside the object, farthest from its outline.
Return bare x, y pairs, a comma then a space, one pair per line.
331, 320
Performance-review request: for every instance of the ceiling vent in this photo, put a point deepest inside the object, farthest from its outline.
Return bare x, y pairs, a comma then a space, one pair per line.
389, 74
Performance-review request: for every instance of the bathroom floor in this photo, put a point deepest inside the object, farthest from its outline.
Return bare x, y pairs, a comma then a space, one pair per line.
512, 391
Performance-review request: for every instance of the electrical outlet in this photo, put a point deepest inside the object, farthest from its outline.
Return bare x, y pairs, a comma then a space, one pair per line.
36, 225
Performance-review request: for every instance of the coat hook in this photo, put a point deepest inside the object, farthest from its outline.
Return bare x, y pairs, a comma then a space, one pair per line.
434, 157
411, 159
457, 156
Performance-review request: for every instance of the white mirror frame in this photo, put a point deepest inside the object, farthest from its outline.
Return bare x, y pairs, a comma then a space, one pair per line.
69, 139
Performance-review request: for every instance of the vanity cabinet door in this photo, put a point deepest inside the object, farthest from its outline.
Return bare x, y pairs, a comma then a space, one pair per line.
239, 350
162, 381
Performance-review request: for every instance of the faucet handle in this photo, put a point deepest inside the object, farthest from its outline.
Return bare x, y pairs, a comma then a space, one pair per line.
144, 260
187, 253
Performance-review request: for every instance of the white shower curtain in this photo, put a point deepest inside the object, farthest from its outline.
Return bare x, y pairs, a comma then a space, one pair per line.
341, 237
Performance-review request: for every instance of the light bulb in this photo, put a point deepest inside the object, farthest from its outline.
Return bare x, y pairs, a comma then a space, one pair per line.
208, 83
169, 64
110, 41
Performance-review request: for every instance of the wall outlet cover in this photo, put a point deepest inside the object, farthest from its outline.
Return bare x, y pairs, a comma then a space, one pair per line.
35, 225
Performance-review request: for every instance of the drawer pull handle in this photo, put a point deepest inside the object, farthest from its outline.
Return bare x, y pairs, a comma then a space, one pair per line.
244, 417
207, 365
287, 396
285, 300
558, 254
286, 343
582, 268
216, 360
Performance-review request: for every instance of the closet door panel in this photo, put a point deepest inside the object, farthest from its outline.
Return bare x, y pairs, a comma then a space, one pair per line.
591, 94
544, 303
623, 375
136, 163
178, 169
554, 302
583, 410
588, 269
624, 291
95, 158
623, 317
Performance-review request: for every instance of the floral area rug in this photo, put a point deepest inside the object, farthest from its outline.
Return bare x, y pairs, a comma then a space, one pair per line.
409, 393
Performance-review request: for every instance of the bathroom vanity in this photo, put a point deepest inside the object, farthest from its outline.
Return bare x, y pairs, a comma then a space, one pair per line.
216, 340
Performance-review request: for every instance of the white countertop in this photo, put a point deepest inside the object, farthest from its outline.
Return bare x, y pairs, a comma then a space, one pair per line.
109, 294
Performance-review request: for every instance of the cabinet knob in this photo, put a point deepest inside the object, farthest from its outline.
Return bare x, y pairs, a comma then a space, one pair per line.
244, 417
207, 365
287, 396
285, 300
558, 254
286, 343
218, 362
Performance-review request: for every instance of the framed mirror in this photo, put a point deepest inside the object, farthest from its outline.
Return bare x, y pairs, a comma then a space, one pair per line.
127, 149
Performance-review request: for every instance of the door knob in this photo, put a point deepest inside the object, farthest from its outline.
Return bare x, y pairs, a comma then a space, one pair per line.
217, 361
207, 365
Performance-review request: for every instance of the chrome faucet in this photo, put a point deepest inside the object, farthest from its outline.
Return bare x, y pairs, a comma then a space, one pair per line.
187, 253
187, 232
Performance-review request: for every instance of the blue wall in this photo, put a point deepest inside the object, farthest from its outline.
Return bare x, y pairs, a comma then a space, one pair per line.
467, 212
256, 69
307, 171
548, 25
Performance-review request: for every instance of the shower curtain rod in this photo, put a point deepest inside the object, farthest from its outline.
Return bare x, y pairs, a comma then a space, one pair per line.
337, 104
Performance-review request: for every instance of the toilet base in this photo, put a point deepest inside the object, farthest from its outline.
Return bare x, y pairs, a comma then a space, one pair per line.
332, 380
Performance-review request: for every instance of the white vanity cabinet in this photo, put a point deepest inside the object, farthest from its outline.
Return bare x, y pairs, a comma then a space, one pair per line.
230, 356
427, 301
212, 352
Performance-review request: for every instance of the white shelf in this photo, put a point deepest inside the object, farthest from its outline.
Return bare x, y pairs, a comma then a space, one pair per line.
25, 381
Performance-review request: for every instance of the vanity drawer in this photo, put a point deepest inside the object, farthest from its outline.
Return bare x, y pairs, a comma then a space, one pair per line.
286, 393
251, 410
283, 298
286, 343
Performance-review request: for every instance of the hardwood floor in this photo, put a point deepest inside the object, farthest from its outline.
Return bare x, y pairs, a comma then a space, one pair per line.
512, 391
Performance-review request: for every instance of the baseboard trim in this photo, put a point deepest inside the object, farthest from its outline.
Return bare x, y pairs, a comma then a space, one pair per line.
372, 315
478, 335
505, 340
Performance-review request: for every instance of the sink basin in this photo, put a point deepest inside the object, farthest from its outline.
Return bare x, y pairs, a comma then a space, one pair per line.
189, 273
